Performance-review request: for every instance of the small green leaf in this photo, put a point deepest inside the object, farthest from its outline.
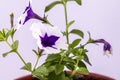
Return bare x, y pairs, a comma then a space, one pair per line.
77, 32
50, 6
75, 43
83, 70
15, 45
70, 23
5, 54
1, 37
4, 34
86, 59
79, 2
68, 59
27, 67
52, 57
59, 68
70, 66
81, 64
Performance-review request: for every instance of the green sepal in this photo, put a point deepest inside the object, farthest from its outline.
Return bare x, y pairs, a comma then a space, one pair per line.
50, 6
77, 32
27, 67
35, 51
12, 32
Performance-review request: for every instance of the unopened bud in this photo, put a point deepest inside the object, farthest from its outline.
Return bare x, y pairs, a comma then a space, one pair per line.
11, 19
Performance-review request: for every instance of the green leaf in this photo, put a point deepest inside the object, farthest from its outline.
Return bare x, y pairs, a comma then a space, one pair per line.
78, 2
70, 66
50, 6
51, 68
41, 70
62, 76
5, 54
75, 43
70, 23
83, 70
27, 67
53, 76
4, 34
68, 59
81, 64
52, 57
1, 37
77, 32
86, 59
59, 68
15, 45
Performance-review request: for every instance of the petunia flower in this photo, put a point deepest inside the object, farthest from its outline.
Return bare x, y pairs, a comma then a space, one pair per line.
27, 15
107, 47
49, 38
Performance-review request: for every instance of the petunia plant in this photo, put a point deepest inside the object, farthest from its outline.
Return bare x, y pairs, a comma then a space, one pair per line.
61, 53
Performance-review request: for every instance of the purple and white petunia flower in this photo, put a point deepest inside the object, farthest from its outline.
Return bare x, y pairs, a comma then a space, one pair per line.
49, 38
107, 47
27, 15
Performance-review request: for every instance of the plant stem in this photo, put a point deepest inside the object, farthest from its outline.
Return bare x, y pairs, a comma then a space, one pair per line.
38, 57
74, 71
17, 54
21, 58
66, 21
8, 44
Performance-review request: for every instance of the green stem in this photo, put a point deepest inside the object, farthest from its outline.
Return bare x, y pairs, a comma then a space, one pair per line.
17, 53
8, 44
74, 71
66, 21
21, 58
38, 57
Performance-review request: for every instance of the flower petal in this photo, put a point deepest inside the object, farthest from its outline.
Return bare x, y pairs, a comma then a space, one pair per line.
107, 47
48, 38
27, 15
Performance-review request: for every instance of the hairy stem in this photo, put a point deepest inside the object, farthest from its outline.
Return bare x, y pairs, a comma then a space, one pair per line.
66, 21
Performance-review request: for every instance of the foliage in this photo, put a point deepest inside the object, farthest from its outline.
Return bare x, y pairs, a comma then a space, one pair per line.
74, 57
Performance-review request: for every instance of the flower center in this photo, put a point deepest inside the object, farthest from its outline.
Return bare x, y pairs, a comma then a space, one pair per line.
48, 41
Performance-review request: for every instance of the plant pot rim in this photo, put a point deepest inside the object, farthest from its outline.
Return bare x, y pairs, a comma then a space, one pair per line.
90, 76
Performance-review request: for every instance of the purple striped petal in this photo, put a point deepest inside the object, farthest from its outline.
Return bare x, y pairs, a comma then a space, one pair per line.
106, 47
30, 15
48, 41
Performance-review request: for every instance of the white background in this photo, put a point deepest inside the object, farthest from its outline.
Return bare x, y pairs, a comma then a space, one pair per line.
100, 17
